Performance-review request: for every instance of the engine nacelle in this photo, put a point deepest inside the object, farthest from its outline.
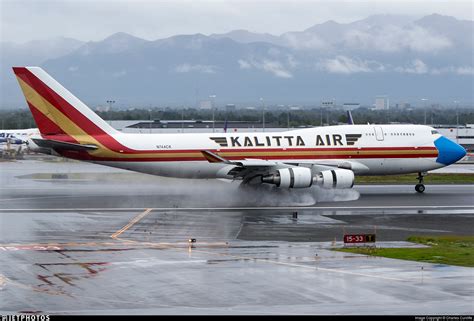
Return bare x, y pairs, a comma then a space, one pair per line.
335, 178
292, 177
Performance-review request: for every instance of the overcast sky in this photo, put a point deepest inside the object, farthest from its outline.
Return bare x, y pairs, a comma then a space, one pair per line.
24, 20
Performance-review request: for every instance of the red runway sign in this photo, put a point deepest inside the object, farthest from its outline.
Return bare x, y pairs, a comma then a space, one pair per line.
359, 238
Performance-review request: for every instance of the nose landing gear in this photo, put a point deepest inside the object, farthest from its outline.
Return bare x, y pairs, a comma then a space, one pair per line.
420, 188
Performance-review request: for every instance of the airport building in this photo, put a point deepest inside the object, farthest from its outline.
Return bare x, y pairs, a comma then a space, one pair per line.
205, 104
230, 107
382, 103
463, 135
403, 105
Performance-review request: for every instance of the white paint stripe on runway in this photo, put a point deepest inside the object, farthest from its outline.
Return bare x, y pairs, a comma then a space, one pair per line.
35, 198
351, 208
306, 266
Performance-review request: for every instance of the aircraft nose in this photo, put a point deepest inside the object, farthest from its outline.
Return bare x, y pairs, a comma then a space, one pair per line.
448, 151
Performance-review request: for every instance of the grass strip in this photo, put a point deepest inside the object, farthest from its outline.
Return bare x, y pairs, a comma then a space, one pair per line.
438, 178
450, 249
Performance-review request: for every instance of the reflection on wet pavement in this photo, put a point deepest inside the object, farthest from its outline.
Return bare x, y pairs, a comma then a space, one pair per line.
130, 256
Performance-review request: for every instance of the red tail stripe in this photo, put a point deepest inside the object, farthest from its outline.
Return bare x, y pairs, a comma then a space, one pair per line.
57, 101
40, 118
45, 125
70, 112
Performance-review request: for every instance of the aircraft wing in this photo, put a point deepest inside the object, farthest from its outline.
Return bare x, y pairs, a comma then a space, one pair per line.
321, 165
243, 169
249, 168
214, 158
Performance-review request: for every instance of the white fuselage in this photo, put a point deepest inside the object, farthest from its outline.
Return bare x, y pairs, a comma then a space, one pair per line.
379, 149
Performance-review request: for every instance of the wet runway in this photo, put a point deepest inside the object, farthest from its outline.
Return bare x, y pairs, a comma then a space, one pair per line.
84, 239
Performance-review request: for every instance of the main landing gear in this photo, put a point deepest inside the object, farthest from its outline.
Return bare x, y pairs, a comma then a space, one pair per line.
420, 188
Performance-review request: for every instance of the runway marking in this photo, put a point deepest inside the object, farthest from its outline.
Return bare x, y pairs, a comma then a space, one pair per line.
301, 266
35, 247
4, 281
138, 245
309, 266
131, 223
51, 246
177, 209
35, 198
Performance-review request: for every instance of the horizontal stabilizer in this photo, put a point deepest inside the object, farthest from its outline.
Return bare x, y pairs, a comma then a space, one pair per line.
55, 144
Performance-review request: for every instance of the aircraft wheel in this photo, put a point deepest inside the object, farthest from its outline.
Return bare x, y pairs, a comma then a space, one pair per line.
420, 188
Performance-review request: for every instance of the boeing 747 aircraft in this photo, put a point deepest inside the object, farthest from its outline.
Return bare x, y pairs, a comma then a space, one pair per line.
326, 156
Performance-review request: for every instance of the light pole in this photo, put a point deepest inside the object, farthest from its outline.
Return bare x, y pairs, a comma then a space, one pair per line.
333, 105
321, 118
288, 118
424, 106
213, 97
149, 111
110, 102
263, 113
431, 115
182, 119
457, 119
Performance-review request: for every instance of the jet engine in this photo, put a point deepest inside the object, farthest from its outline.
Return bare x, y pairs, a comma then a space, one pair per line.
302, 177
335, 178
292, 177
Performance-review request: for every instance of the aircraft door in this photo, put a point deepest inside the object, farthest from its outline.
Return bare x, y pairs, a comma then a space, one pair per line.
378, 133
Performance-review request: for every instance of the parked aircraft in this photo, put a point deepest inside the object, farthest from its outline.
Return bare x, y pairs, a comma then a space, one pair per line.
17, 136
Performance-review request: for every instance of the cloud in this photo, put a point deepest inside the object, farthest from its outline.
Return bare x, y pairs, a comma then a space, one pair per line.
345, 65
395, 39
292, 61
460, 70
276, 68
416, 67
244, 64
152, 19
466, 70
119, 74
272, 66
303, 41
206, 69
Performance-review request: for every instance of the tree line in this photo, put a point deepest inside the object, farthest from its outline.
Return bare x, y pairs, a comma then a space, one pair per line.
21, 119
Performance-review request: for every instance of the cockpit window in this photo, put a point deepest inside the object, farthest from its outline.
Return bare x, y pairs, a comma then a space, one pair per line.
434, 132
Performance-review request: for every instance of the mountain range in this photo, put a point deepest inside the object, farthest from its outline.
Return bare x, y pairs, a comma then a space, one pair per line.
403, 57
